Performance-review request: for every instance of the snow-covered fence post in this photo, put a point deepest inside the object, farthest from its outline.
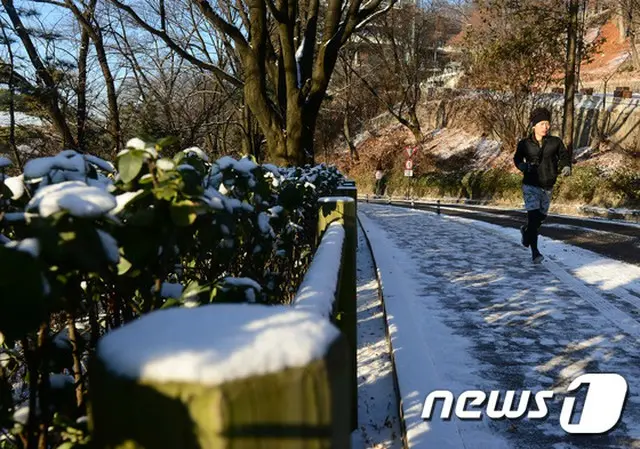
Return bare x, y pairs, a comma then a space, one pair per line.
348, 188
343, 210
221, 375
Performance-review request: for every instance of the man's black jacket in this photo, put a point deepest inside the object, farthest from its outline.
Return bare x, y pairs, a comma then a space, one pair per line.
540, 165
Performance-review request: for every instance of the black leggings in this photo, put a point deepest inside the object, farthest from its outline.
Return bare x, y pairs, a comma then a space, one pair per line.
535, 221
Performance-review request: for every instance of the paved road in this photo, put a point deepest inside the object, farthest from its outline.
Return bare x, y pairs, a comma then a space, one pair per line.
615, 240
474, 313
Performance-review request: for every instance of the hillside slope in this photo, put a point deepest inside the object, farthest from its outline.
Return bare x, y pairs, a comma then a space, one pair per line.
461, 161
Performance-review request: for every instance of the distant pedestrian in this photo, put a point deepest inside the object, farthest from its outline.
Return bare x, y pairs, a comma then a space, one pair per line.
379, 179
540, 157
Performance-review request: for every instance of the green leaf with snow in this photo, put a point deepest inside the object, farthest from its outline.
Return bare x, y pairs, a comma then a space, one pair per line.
166, 192
129, 165
123, 266
146, 179
196, 293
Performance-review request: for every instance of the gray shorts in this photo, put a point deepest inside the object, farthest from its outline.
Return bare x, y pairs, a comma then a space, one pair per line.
536, 198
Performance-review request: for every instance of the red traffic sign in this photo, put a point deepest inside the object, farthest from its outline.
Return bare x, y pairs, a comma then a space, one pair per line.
410, 150
408, 165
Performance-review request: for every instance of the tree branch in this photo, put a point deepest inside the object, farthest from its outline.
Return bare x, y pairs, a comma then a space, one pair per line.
175, 47
222, 25
374, 16
50, 96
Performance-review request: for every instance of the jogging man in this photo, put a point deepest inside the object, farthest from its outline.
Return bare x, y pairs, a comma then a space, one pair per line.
539, 157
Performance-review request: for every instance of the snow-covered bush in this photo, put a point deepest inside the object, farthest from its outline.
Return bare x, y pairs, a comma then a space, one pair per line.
87, 245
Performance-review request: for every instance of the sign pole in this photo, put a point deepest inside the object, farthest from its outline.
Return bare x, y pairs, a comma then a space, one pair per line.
408, 170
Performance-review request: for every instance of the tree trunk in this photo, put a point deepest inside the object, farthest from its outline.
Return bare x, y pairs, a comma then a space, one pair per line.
635, 56
77, 367
580, 43
12, 116
251, 135
44, 386
569, 80
414, 126
247, 147
308, 154
295, 144
98, 42
353, 151
50, 95
112, 97
621, 22
81, 113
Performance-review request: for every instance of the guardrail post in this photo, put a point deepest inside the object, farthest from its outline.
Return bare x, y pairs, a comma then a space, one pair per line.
349, 190
344, 209
213, 381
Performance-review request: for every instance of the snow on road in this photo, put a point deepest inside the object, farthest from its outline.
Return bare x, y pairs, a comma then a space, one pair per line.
378, 417
468, 310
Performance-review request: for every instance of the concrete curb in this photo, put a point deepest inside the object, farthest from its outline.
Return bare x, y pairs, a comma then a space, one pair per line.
396, 385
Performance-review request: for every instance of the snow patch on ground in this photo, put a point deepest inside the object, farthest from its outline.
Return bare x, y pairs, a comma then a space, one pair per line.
378, 408
21, 119
448, 143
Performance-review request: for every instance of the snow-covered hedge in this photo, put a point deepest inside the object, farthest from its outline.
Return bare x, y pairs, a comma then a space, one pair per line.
87, 245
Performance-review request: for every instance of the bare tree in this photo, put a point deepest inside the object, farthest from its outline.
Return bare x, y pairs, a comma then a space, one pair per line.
287, 56
627, 15
10, 84
46, 87
81, 92
162, 94
570, 74
512, 50
91, 28
346, 111
348, 102
400, 51
519, 46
